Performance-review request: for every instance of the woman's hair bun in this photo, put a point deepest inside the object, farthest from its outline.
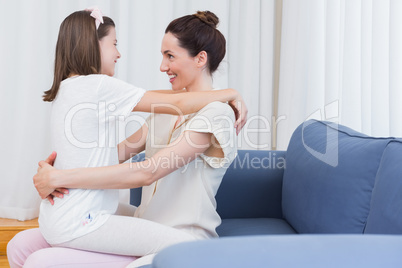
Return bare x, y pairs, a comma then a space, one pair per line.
208, 17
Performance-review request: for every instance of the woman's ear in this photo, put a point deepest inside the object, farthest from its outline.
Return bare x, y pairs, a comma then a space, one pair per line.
202, 59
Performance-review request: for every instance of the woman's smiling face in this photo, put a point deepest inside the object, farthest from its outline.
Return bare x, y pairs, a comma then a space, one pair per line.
181, 68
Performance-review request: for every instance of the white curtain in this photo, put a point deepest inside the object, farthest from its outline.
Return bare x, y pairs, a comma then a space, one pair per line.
28, 36
341, 60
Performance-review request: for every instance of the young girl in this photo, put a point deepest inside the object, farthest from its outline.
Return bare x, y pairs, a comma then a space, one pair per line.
178, 199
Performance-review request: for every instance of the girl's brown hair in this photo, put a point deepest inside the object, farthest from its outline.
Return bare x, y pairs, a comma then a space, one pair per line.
77, 48
198, 33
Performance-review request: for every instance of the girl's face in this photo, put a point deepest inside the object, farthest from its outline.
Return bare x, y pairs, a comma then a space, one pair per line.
109, 52
178, 64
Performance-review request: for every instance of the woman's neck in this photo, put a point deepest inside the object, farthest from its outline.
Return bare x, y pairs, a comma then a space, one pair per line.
202, 84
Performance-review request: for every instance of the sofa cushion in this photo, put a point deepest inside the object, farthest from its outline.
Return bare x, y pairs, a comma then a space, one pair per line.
329, 177
254, 177
256, 226
385, 215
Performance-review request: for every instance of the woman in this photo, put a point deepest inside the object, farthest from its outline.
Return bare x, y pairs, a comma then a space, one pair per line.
186, 159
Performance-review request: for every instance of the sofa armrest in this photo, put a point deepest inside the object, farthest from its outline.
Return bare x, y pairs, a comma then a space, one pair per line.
252, 186
285, 251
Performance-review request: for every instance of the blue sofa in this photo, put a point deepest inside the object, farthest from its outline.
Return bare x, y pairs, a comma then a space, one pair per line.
333, 199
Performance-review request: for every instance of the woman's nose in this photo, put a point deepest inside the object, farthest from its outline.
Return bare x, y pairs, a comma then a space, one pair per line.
163, 68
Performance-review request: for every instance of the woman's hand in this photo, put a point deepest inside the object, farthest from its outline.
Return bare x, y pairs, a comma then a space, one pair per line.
240, 109
59, 192
43, 177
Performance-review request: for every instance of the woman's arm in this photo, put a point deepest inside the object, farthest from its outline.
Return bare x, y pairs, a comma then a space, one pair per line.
126, 149
133, 144
191, 102
124, 176
169, 91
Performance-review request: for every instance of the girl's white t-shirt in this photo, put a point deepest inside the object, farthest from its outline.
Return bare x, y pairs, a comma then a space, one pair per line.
85, 122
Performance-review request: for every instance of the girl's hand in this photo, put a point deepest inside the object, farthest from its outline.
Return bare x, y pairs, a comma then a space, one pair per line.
240, 109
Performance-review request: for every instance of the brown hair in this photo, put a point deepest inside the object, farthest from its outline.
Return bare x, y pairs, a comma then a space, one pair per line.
77, 48
198, 33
